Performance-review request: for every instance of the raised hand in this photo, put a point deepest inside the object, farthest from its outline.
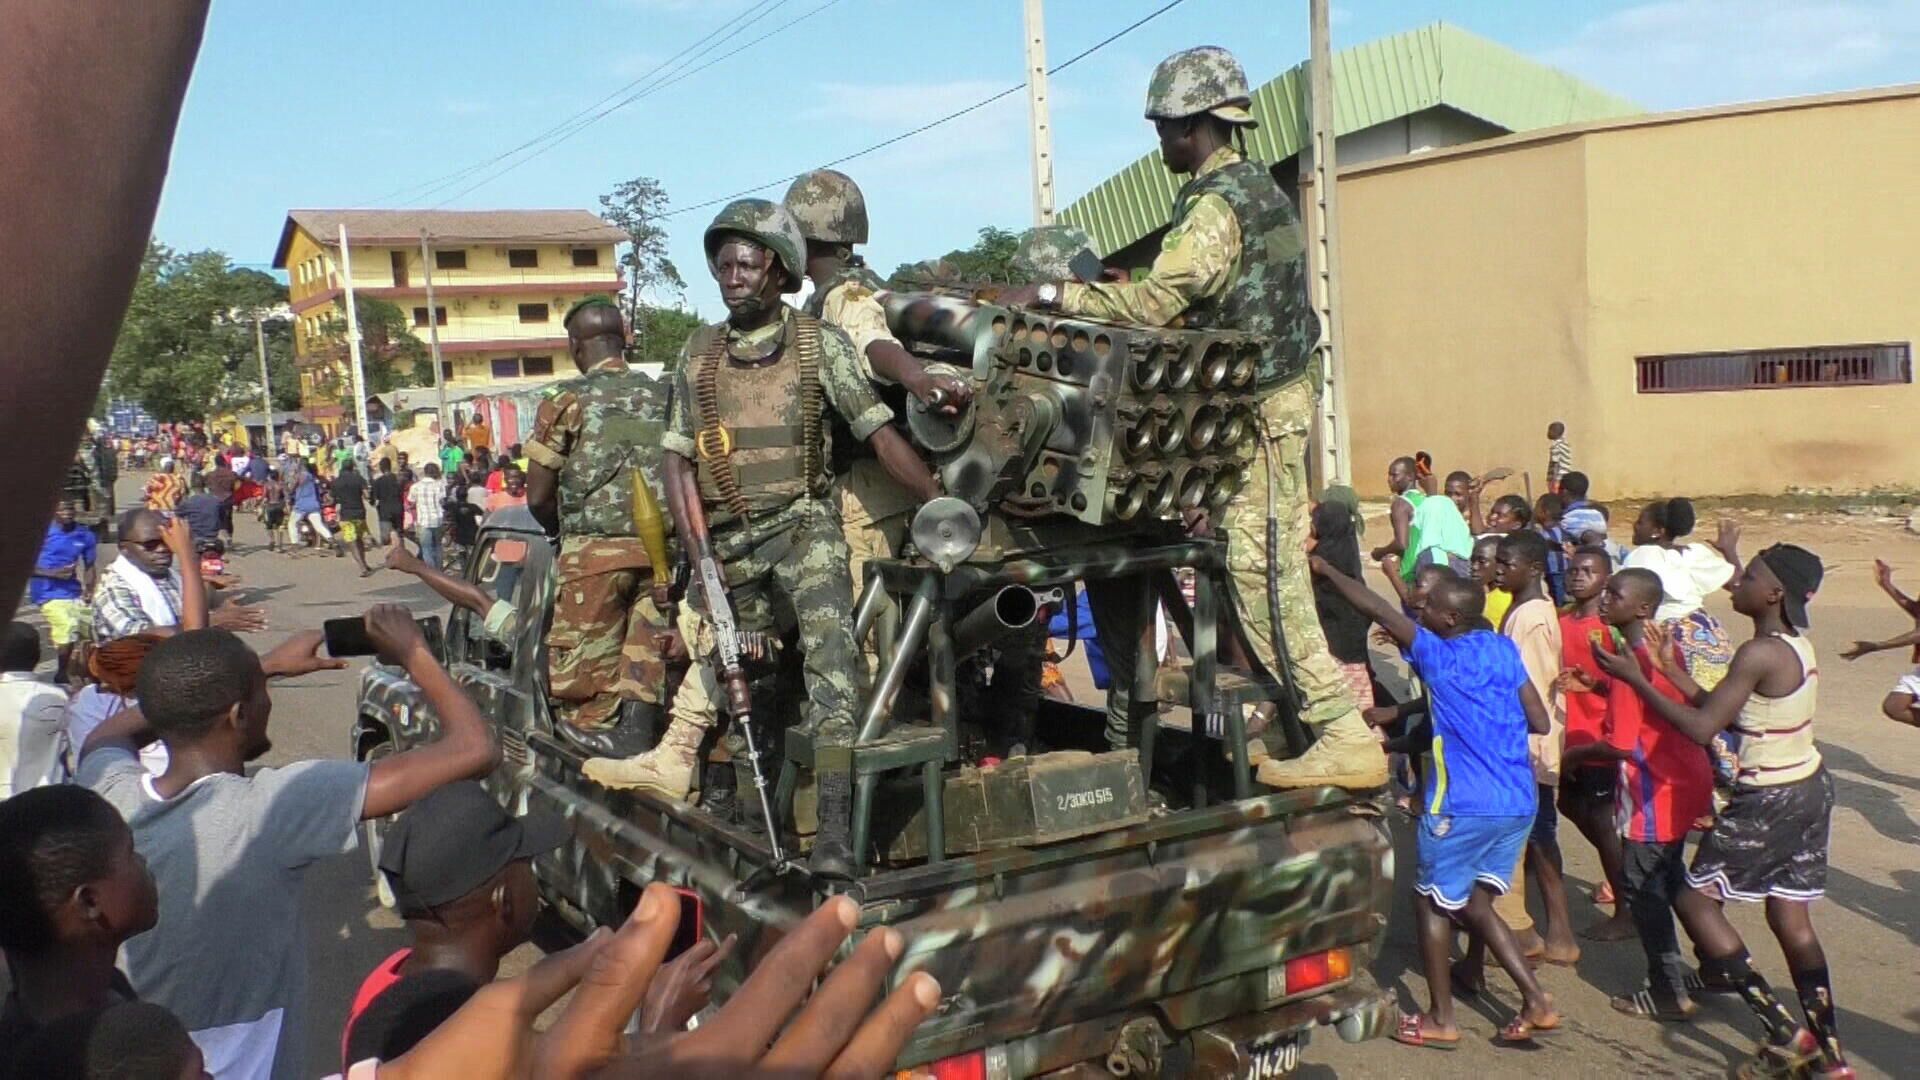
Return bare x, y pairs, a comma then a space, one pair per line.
1883, 575
1857, 650
1666, 652
240, 618
179, 537
299, 655
396, 637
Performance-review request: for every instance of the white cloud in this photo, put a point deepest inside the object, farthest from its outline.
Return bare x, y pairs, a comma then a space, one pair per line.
1676, 53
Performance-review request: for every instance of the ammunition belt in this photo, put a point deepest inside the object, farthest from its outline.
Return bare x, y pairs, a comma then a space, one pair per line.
715, 447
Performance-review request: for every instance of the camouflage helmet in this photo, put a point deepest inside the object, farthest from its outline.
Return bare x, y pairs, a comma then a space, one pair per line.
829, 207
1044, 253
767, 224
1203, 80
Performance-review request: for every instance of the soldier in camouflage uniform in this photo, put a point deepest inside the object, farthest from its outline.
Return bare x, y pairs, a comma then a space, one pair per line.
1233, 258
874, 510
748, 438
603, 647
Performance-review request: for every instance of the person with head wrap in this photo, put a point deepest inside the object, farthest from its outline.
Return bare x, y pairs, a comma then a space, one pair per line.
113, 667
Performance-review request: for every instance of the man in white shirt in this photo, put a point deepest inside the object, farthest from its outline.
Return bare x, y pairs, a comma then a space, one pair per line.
30, 715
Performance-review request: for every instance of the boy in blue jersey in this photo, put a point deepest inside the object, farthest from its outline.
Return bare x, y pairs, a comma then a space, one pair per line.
1481, 798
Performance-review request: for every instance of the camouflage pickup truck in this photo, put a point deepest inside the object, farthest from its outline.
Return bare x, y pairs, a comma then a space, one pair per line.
1199, 942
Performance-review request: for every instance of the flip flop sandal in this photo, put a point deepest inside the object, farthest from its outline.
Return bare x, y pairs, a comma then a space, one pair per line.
1409, 1032
1780, 1060
1640, 1003
1520, 1031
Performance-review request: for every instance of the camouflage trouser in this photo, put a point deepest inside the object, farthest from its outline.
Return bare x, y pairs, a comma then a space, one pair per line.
697, 699
602, 646
862, 496
1324, 696
790, 569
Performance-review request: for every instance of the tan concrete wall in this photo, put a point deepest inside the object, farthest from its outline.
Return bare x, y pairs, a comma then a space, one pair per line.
1490, 290
1464, 289
1787, 228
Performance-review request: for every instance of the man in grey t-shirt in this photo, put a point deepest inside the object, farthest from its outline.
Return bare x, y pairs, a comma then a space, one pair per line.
229, 850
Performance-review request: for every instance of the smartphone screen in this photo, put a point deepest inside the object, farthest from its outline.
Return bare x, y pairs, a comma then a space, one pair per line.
347, 636
692, 915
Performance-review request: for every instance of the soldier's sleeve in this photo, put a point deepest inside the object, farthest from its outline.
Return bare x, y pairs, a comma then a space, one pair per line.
678, 438
1197, 260
556, 431
856, 309
847, 388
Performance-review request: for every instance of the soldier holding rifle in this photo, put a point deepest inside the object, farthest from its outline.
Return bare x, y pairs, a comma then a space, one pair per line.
747, 481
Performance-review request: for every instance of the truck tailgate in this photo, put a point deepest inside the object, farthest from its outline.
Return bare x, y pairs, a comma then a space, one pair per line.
1186, 913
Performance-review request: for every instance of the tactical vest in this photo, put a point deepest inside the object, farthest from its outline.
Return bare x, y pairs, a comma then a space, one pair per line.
623, 416
1269, 296
757, 427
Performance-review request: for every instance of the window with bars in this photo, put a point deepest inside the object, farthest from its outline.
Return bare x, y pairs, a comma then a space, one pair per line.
536, 365
523, 258
586, 257
1775, 369
533, 313
506, 367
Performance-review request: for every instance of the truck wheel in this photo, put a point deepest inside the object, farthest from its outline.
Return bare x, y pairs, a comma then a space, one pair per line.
374, 832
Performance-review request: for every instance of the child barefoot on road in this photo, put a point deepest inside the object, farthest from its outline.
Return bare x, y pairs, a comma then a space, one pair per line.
1482, 802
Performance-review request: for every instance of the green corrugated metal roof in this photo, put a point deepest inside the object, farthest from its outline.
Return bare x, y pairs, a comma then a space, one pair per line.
1374, 83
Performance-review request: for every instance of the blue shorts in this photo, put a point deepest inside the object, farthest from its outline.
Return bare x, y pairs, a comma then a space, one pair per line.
1458, 852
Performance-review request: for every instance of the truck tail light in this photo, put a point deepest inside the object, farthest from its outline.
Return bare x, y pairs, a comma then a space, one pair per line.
1315, 970
986, 1064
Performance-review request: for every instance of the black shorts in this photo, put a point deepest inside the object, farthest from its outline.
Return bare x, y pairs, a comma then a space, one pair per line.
1769, 841
1590, 784
276, 515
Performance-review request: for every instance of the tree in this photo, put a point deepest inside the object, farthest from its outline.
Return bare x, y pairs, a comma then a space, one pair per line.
392, 356
662, 333
988, 261
637, 206
186, 347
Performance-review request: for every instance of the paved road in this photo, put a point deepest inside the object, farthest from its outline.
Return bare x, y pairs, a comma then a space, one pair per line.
1870, 922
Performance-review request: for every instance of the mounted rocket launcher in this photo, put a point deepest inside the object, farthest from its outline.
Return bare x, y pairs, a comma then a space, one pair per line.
1105, 423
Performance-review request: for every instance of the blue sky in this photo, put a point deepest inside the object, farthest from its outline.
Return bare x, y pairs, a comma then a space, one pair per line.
354, 103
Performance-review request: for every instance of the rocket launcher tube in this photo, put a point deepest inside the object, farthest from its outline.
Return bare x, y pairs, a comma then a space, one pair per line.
651, 527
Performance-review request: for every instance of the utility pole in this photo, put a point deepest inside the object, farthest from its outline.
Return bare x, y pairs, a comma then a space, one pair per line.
1336, 448
1036, 27
433, 331
353, 337
266, 391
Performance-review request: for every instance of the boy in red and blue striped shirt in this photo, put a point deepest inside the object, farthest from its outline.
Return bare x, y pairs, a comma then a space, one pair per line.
1666, 784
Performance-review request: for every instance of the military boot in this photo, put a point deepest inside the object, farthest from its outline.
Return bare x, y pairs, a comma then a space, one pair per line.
666, 770
747, 812
1346, 755
833, 845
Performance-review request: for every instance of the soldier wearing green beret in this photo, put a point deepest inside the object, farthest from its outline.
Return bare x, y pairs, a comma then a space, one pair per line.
1233, 258
606, 674
748, 443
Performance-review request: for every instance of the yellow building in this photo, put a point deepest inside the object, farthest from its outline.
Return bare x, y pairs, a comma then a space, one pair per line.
502, 280
1716, 301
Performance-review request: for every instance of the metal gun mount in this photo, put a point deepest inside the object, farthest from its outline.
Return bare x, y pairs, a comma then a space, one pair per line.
1101, 422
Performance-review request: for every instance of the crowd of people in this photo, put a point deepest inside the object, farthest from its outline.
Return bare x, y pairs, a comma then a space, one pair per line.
1557, 675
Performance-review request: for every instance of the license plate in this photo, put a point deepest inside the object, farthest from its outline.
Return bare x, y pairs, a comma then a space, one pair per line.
1272, 1055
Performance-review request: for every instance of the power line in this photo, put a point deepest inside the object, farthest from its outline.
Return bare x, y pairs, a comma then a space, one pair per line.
685, 73
427, 187
954, 115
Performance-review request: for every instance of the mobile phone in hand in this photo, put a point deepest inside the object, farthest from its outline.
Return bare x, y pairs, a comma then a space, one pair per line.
1087, 267
348, 636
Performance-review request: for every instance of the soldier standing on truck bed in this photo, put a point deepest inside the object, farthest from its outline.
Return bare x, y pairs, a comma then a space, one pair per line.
874, 510
1233, 259
606, 674
747, 445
